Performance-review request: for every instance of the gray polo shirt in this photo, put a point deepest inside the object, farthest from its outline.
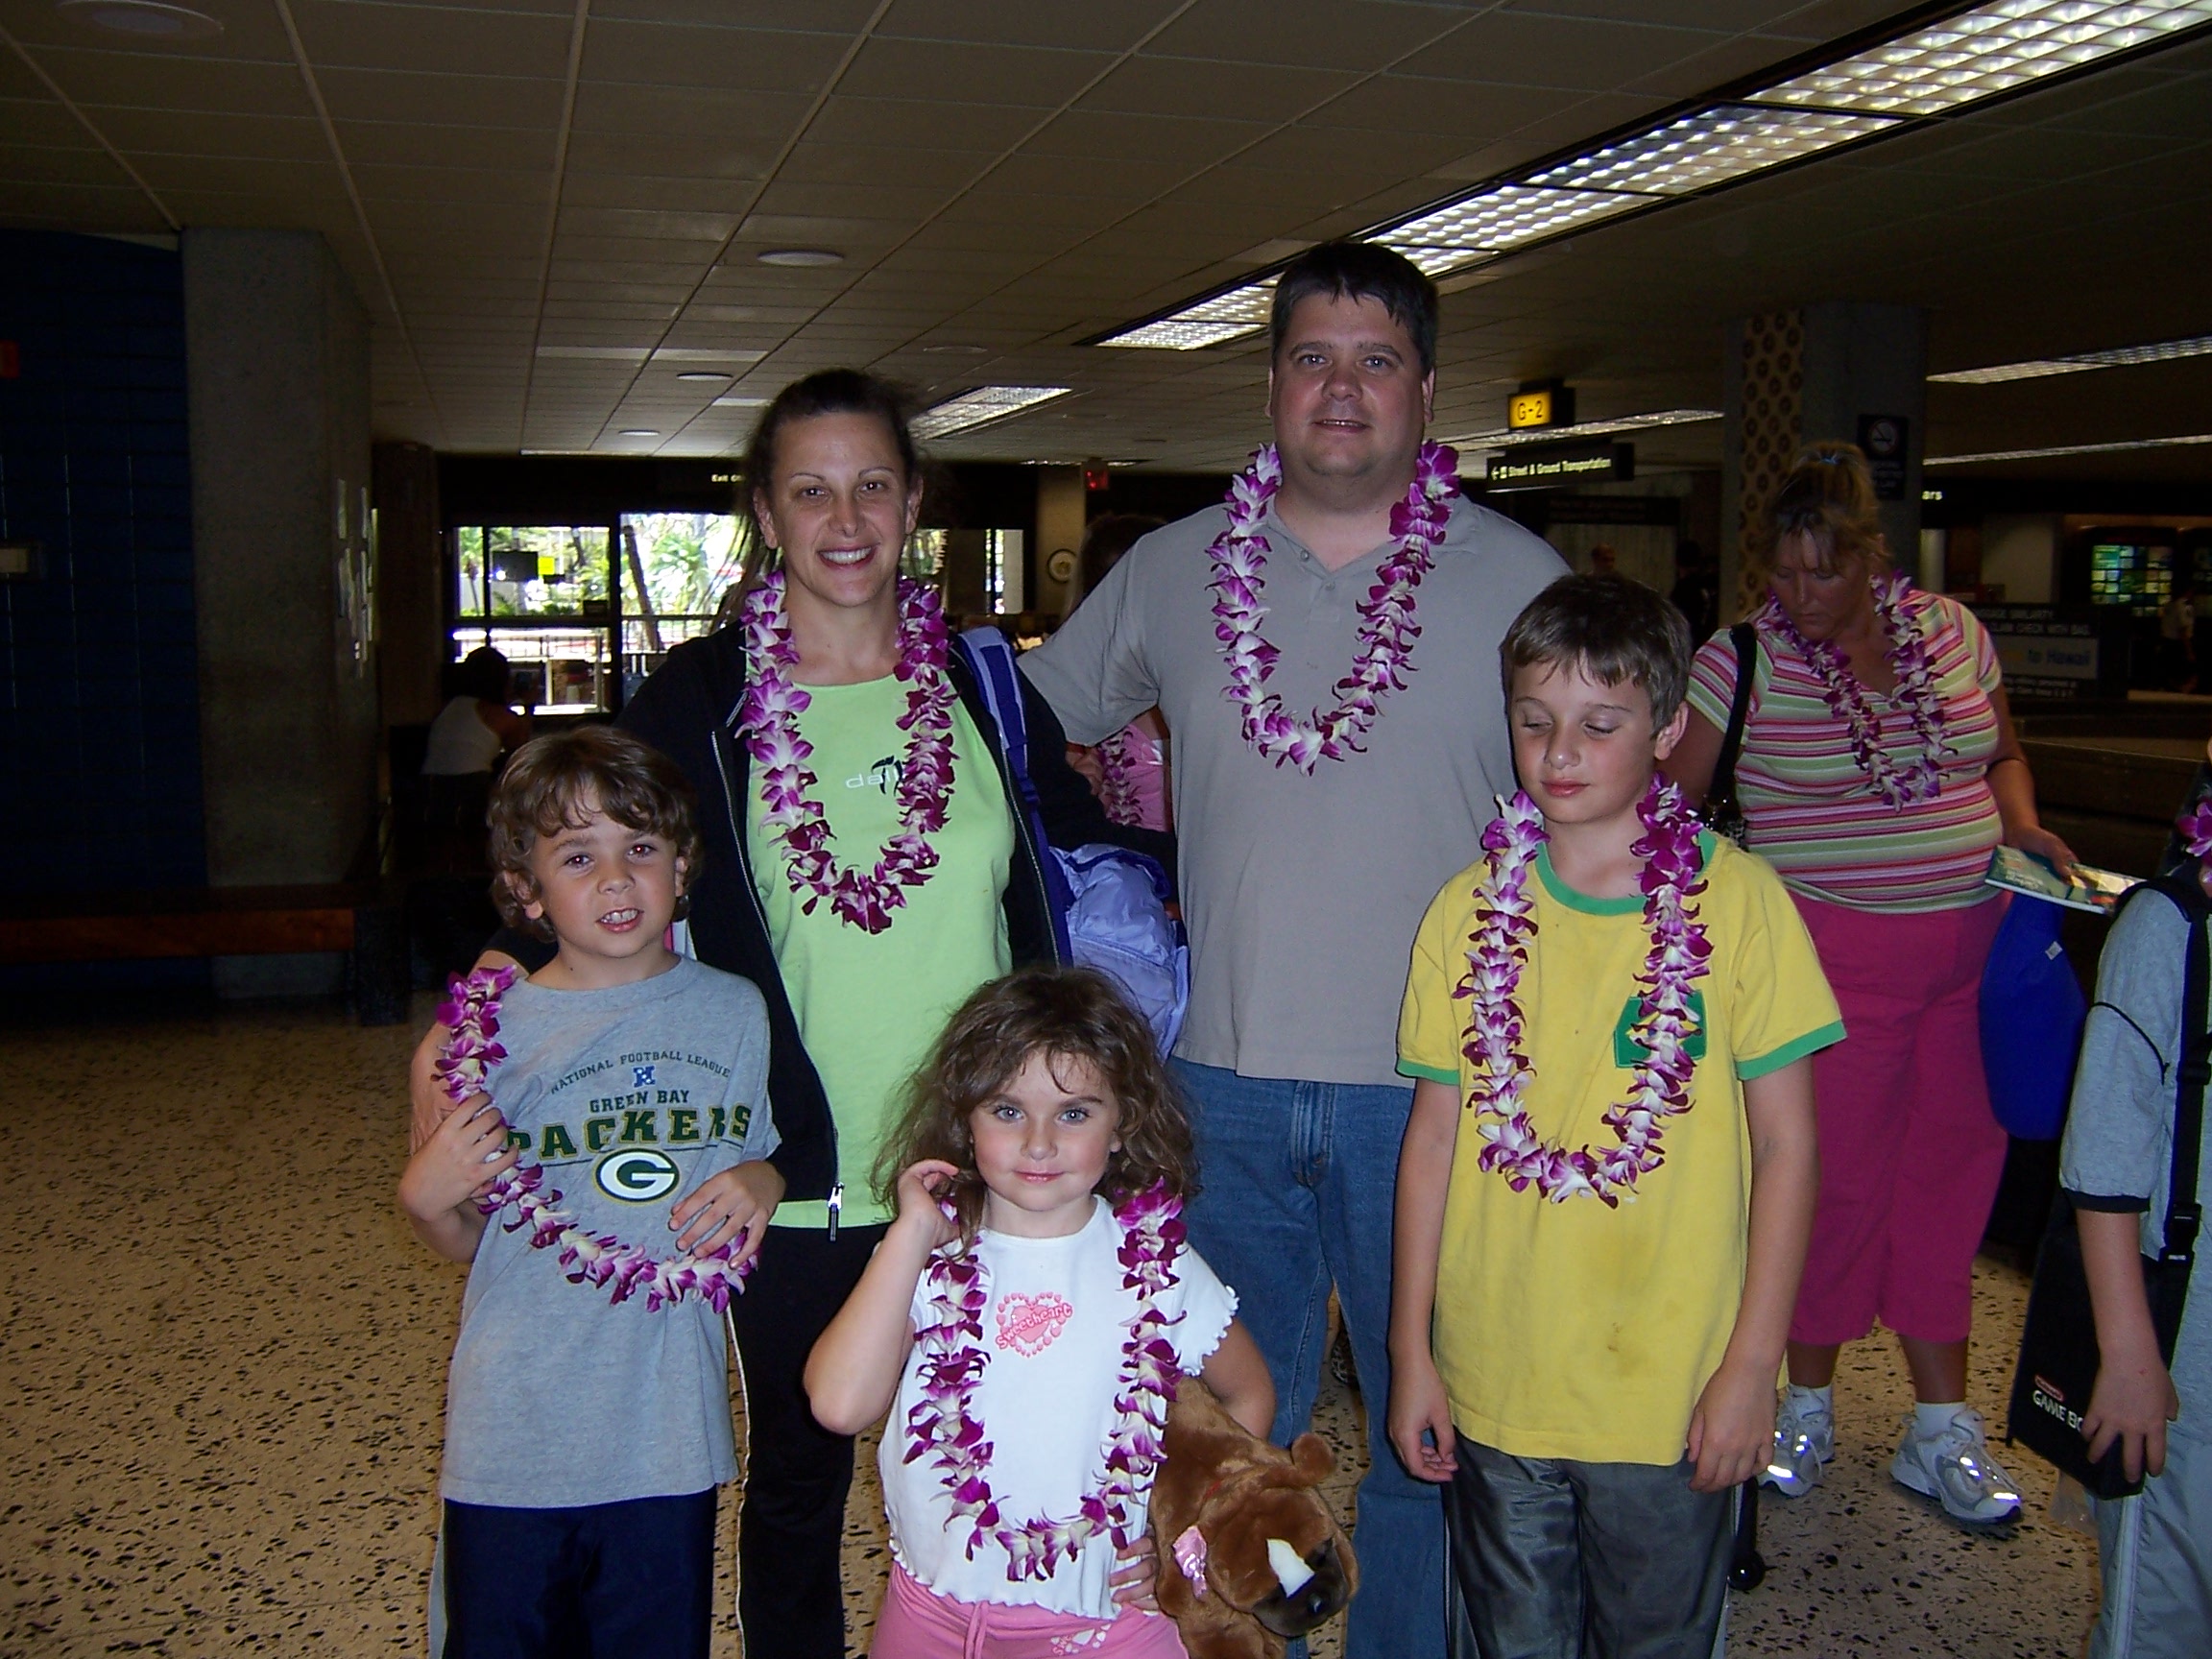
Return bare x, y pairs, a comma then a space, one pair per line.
1303, 893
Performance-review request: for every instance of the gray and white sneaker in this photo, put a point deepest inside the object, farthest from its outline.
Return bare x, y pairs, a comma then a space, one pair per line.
1954, 1467
1804, 1443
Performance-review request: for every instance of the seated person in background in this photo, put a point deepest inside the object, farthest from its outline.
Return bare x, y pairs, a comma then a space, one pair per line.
556, 1528
1128, 772
2116, 1164
471, 731
477, 724
1600, 1220
1605, 560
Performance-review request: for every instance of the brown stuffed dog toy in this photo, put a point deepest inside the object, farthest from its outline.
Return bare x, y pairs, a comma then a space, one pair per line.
1250, 1554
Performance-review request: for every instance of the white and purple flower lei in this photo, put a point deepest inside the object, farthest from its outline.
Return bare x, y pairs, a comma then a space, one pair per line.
2195, 828
1387, 626
953, 1358
1504, 924
1118, 784
768, 720
1846, 697
464, 1066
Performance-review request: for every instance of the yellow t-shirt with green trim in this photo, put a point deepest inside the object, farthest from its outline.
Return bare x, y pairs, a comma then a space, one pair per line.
1577, 1330
870, 1006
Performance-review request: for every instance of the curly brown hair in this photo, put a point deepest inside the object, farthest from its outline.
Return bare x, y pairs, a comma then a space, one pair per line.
552, 783
1071, 1014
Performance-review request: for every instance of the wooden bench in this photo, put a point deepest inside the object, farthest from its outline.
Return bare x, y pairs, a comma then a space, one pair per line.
363, 920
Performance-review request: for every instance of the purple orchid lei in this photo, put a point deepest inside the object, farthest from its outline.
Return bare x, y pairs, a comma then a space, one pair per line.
2196, 827
1387, 626
465, 1062
1118, 793
1505, 921
951, 1354
768, 719
1846, 697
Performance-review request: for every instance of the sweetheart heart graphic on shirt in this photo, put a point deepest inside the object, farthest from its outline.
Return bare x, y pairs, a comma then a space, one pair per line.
1029, 1324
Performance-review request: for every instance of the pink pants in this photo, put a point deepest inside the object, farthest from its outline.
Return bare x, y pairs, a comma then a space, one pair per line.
1910, 1154
918, 1624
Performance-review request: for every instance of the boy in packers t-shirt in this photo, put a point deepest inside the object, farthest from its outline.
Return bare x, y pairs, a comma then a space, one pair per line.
1607, 1182
585, 1437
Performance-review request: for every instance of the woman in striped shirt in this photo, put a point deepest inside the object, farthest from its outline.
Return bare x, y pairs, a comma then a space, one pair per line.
1879, 769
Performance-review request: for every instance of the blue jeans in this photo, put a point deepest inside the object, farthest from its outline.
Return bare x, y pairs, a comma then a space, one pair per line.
1300, 1182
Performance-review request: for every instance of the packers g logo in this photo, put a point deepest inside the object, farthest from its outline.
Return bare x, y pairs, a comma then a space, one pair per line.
637, 1175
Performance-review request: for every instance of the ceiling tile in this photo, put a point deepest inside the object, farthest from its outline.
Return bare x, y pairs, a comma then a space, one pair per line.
724, 59
440, 100
445, 39
1185, 87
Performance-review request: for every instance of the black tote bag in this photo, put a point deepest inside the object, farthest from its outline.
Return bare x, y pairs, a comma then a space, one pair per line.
2058, 1356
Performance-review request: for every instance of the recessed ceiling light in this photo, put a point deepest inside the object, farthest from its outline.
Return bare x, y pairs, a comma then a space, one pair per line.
800, 256
702, 375
740, 402
640, 432
1492, 220
957, 351
984, 405
147, 19
2165, 352
1988, 50
2070, 450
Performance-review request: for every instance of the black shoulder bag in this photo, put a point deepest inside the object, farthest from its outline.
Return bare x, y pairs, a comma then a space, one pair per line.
2059, 1358
1722, 812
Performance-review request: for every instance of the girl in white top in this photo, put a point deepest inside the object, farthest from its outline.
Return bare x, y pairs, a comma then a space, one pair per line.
1023, 1321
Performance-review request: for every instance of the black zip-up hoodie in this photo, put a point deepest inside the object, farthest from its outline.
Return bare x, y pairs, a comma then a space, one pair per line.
685, 711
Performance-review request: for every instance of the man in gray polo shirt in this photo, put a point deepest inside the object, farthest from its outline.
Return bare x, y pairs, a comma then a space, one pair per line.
1303, 878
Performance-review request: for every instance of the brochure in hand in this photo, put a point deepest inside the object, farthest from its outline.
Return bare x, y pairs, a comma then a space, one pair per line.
2089, 888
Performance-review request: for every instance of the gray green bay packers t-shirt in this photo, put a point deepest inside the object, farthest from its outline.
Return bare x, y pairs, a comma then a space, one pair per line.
629, 1098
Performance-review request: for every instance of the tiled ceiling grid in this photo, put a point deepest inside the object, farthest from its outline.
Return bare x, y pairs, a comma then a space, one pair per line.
560, 205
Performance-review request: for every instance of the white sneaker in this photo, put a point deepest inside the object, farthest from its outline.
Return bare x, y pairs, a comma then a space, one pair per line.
1953, 1466
1804, 1442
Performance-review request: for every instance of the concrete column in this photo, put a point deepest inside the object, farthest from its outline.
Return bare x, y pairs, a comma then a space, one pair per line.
1061, 507
411, 648
1836, 370
276, 365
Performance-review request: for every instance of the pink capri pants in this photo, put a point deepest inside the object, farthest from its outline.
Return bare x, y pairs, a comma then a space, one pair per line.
918, 1624
1910, 1154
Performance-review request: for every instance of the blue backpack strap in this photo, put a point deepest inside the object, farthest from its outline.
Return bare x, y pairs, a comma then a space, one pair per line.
992, 658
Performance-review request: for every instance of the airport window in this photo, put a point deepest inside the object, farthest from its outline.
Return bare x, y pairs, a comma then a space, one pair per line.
542, 595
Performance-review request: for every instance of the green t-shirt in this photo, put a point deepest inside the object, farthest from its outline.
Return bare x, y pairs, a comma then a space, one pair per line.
871, 1006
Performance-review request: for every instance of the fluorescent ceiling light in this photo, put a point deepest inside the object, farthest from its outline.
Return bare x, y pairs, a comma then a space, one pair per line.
640, 432
599, 353
2034, 368
986, 404
1934, 70
1988, 50
800, 258
2069, 449
732, 402
1710, 148
1494, 220
1225, 317
1507, 438
147, 19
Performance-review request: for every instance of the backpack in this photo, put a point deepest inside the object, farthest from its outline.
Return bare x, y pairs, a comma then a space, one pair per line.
1109, 904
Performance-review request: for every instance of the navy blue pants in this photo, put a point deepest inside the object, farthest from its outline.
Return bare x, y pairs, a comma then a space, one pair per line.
632, 1581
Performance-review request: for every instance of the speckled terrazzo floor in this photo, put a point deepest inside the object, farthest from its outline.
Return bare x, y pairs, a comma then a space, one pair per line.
222, 1361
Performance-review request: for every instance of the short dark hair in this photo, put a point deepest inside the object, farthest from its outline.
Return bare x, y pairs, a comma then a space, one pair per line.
482, 673
1616, 629
1360, 270
1064, 1014
545, 790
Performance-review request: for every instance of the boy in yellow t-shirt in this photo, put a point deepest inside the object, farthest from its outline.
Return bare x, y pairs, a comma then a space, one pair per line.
1608, 1178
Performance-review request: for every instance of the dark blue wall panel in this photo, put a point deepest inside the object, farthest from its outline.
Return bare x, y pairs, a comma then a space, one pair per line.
99, 699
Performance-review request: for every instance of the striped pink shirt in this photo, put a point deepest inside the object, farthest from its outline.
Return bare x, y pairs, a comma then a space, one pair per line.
1813, 813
